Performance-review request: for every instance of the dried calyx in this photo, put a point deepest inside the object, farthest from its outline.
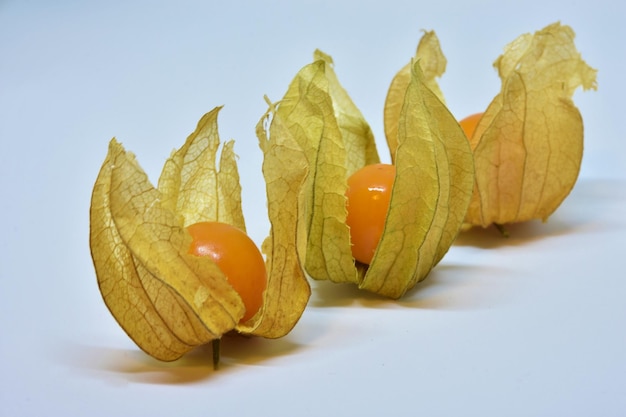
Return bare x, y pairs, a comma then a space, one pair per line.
431, 190
166, 299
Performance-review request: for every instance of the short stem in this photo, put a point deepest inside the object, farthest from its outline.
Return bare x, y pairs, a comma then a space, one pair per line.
502, 230
216, 352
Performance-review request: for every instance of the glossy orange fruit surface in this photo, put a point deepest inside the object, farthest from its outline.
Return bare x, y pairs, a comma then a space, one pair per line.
368, 196
237, 256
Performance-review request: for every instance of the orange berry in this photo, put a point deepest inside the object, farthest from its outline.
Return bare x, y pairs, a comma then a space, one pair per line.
469, 124
368, 196
237, 256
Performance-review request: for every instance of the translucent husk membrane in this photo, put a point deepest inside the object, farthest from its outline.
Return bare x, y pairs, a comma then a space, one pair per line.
431, 192
528, 145
167, 300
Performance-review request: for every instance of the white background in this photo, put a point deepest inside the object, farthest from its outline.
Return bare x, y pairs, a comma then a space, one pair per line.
529, 326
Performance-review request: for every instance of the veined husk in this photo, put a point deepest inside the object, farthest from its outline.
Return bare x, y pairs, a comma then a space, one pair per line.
528, 145
433, 64
167, 300
434, 177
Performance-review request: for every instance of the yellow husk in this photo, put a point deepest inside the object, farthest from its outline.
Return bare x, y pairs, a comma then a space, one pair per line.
528, 145
430, 194
433, 64
166, 300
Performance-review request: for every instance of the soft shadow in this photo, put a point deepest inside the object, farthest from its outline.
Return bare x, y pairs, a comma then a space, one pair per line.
330, 294
518, 233
459, 287
121, 366
577, 212
239, 349
448, 287
132, 365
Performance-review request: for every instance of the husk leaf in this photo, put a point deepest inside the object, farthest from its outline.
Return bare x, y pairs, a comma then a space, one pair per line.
167, 300
433, 184
288, 291
431, 192
191, 185
306, 115
528, 145
433, 64
358, 138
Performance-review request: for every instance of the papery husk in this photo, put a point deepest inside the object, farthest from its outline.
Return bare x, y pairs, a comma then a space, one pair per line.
433, 64
306, 117
528, 145
431, 192
429, 198
357, 135
167, 300
288, 289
